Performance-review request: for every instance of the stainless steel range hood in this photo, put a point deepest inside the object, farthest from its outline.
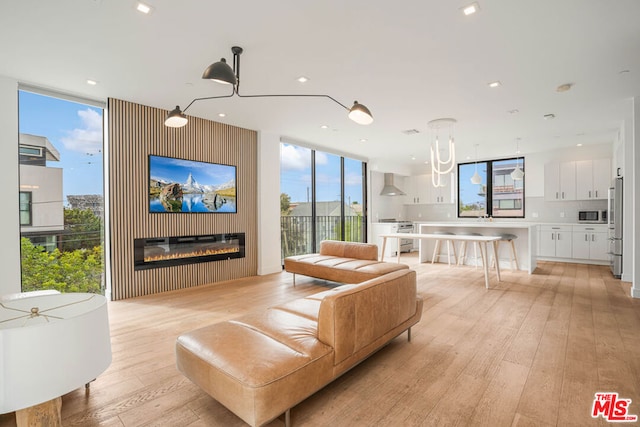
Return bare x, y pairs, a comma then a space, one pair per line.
389, 189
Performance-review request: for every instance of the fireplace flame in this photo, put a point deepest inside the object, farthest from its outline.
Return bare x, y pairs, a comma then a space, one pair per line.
192, 254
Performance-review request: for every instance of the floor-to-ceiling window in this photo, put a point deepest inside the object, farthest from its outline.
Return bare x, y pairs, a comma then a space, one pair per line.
61, 194
322, 197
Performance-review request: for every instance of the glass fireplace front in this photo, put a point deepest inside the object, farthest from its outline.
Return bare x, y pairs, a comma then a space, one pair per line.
171, 251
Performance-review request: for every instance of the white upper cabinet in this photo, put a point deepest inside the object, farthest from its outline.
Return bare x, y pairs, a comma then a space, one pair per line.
443, 194
417, 189
593, 179
560, 181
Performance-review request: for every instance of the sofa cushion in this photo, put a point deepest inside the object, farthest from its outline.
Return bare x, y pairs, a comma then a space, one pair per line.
342, 270
259, 365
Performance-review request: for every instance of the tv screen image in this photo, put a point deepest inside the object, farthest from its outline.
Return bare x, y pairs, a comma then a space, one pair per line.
179, 186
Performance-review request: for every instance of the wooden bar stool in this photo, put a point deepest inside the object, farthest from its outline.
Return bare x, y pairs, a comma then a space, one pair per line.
507, 237
463, 251
436, 250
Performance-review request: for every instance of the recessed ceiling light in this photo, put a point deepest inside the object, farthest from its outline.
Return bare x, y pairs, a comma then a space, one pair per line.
495, 84
549, 116
578, 145
514, 111
471, 9
426, 162
324, 127
144, 8
222, 115
91, 82
413, 157
363, 140
303, 79
564, 87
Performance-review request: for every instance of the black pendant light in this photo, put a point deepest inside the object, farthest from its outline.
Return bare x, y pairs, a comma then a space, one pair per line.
221, 72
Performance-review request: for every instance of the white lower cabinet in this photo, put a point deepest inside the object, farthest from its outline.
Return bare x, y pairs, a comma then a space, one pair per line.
590, 242
555, 241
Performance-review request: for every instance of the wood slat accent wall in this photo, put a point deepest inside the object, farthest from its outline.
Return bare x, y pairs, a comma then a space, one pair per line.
135, 132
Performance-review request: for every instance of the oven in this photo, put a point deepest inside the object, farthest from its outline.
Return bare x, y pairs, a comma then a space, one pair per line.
388, 226
405, 244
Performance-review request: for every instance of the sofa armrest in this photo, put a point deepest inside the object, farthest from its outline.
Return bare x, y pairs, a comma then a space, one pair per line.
351, 319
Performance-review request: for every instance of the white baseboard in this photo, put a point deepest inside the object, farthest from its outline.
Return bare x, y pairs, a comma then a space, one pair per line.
635, 292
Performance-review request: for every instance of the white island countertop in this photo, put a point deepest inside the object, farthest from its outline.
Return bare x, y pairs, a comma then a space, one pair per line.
526, 233
482, 224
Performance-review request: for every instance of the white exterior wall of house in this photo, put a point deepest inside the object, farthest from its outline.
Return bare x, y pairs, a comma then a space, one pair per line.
45, 185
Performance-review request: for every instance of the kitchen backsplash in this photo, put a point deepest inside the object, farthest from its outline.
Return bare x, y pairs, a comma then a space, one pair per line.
536, 210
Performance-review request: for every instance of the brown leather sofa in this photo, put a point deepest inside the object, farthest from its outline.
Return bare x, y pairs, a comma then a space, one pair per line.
260, 365
343, 262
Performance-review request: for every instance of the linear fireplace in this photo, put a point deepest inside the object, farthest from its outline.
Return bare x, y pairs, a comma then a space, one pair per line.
171, 251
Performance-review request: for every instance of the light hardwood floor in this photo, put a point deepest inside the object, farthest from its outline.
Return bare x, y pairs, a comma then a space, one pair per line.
531, 351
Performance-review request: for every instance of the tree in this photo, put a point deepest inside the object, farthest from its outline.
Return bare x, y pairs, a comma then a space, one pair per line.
83, 230
285, 203
71, 271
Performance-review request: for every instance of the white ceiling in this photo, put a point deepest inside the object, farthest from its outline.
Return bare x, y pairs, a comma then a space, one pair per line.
408, 61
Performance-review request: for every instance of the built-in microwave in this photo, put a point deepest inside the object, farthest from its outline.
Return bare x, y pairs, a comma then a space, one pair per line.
592, 217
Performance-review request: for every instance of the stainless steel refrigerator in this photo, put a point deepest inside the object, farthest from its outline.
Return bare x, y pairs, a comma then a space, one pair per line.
614, 219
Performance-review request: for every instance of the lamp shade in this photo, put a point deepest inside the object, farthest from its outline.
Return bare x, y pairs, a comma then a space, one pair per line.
176, 118
360, 114
517, 174
220, 72
50, 345
476, 178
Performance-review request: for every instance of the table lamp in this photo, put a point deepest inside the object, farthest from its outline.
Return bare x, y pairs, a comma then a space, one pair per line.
50, 344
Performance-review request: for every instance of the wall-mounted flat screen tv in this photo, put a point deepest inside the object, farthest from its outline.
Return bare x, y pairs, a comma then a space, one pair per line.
186, 186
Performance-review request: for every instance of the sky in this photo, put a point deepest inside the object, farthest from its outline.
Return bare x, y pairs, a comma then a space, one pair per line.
177, 170
295, 175
468, 191
76, 131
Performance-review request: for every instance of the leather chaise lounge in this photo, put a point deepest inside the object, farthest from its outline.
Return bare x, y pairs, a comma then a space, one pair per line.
343, 262
262, 364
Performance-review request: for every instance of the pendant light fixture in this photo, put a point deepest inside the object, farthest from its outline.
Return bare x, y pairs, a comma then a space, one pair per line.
476, 178
517, 174
221, 72
438, 166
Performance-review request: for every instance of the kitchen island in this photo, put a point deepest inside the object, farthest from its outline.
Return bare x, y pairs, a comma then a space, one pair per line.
526, 243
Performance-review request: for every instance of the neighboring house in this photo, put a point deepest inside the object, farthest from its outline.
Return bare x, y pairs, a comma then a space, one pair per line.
93, 202
507, 193
41, 209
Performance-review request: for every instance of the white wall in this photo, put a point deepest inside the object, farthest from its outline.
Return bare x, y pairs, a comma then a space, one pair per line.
268, 204
631, 219
9, 219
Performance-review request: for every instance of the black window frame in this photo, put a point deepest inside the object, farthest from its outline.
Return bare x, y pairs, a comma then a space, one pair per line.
489, 187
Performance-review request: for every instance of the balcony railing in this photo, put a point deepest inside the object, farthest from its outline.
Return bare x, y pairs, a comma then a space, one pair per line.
296, 232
